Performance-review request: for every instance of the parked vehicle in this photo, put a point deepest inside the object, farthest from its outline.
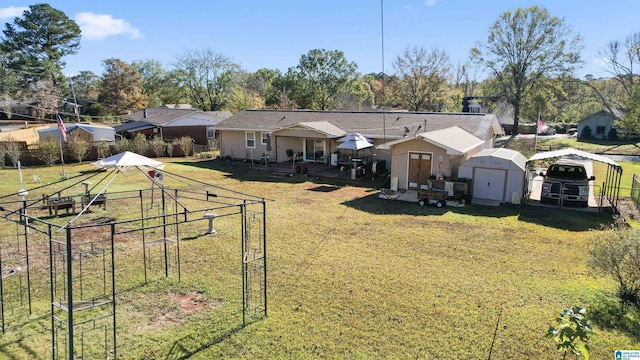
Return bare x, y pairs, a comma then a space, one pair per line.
547, 130
566, 180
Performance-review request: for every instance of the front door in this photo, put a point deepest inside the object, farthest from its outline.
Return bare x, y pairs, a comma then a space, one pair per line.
489, 184
419, 169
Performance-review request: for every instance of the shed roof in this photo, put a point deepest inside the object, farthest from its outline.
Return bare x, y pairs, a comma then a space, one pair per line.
515, 157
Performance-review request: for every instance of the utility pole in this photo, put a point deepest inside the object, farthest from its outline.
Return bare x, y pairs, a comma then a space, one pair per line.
75, 102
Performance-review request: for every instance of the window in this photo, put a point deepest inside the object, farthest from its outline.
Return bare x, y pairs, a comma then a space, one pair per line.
211, 132
250, 139
600, 130
263, 139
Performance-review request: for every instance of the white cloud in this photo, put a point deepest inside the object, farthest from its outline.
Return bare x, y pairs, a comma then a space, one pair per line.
10, 12
430, 2
98, 26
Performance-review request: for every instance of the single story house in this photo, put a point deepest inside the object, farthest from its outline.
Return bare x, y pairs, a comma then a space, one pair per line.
600, 123
170, 123
89, 132
397, 137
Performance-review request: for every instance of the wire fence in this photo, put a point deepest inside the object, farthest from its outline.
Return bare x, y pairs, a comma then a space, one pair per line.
635, 190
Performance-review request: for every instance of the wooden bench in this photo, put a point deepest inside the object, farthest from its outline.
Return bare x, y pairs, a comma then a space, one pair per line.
63, 202
100, 200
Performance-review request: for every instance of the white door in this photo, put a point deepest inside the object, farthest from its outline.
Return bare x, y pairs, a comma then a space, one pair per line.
489, 184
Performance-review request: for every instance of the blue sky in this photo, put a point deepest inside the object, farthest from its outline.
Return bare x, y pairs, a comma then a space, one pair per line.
274, 34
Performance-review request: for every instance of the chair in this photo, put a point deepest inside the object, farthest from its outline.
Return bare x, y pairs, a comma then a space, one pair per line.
318, 155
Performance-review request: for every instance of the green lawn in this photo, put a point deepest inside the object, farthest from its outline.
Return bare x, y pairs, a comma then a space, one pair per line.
525, 145
352, 276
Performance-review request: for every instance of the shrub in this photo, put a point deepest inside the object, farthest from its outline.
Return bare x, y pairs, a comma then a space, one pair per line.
170, 149
123, 145
49, 152
13, 151
613, 134
3, 155
140, 145
585, 133
616, 253
102, 149
185, 143
158, 146
78, 147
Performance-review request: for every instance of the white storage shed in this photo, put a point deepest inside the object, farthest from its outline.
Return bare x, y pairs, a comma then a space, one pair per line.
497, 175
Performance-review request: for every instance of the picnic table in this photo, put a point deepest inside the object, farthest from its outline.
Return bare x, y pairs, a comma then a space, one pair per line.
58, 203
100, 199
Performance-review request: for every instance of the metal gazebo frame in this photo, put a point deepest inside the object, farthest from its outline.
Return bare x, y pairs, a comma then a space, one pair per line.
82, 257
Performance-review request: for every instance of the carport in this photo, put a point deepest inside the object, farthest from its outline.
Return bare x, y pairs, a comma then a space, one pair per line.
610, 190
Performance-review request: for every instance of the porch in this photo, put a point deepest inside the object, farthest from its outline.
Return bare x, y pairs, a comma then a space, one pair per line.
342, 173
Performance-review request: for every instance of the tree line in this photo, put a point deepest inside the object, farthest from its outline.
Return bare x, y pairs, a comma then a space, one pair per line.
528, 64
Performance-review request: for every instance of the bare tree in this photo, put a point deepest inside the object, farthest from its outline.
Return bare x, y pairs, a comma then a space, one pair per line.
522, 47
209, 78
13, 150
422, 79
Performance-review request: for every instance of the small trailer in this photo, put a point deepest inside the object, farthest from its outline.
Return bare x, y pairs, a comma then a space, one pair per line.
432, 196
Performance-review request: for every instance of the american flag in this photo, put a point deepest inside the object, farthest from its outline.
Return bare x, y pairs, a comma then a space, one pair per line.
540, 124
63, 129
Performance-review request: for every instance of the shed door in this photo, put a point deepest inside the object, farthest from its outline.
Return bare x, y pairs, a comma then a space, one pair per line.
489, 184
419, 169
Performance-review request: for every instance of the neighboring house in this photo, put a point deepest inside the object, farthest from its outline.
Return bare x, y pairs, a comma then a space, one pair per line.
600, 123
503, 111
453, 136
91, 133
170, 123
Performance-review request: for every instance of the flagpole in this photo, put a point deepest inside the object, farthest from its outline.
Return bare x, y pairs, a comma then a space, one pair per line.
64, 175
535, 141
63, 136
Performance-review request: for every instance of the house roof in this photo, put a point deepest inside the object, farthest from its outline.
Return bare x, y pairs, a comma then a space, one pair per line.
97, 131
165, 117
324, 127
617, 114
372, 124
455, 140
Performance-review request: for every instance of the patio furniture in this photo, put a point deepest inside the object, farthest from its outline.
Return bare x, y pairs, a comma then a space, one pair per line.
100, 200
63, 202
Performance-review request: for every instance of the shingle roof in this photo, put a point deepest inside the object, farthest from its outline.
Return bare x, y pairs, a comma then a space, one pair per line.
373, 124
163, 115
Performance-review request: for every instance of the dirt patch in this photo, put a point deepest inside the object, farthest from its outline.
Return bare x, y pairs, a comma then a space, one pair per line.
192, 301
628, 209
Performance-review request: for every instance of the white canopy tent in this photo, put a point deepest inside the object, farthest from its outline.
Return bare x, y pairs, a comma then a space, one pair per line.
128, 159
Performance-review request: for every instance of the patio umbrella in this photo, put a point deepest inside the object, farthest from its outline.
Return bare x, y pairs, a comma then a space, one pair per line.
357, 144
354, 136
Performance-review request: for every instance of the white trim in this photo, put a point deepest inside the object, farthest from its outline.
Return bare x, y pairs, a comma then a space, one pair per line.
213, 131
407, 164
263, 138
246, 139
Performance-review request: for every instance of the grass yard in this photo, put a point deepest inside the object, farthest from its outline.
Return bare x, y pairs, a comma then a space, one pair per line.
353, 276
